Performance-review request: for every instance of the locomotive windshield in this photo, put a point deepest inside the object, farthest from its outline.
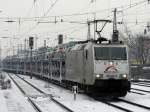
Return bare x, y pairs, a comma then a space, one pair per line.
110, 53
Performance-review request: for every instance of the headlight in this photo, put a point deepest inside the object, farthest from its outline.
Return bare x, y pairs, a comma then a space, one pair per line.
97, 76
124, 75
111, 63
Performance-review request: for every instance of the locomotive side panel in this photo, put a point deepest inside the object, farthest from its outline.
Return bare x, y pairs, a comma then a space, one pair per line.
88, 65
74, 66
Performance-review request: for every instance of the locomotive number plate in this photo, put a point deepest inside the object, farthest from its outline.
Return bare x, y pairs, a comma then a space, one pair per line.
111, 76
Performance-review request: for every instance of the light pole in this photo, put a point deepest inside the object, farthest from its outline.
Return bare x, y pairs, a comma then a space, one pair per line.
31, 47
0, 58
1, 52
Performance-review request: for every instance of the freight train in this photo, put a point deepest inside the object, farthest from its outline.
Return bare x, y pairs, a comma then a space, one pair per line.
94, 66
100, 68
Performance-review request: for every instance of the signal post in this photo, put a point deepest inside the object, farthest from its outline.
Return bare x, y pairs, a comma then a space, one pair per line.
31, 47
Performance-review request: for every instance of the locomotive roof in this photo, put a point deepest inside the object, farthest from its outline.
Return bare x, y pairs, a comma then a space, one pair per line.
73, 45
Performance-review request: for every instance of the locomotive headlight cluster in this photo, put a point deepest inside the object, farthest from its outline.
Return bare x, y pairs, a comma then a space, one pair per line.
99, 75
124, 76
111, 63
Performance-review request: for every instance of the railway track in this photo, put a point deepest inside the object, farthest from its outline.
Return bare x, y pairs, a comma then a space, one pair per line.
24, 93
145, 83
112, 104
105, 102
141, 85
115, 106
145, 91
135, 92
125, 105
135, 104
41, 105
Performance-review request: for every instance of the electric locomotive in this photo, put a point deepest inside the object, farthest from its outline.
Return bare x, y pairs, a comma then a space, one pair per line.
95, 67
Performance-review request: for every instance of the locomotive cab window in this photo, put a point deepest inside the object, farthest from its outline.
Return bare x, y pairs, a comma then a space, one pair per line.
110, 53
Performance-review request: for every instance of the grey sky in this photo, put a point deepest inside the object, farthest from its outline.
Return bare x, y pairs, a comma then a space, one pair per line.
133, 17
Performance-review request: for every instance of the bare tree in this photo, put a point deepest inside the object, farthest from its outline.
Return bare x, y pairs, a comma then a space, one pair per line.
140, 48
143, 48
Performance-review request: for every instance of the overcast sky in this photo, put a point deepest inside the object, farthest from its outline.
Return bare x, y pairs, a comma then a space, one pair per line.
17, 10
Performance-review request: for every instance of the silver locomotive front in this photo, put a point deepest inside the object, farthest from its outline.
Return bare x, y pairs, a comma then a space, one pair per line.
111, 69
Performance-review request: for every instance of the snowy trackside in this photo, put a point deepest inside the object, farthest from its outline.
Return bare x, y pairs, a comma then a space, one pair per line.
12, 100
83, 103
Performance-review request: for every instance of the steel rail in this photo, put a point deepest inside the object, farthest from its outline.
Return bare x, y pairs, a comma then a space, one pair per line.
135, 104
57, 102
112, 105
141, 85
141, 90
137, 93
23, 92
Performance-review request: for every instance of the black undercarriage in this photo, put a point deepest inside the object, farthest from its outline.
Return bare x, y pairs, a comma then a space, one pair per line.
111, 88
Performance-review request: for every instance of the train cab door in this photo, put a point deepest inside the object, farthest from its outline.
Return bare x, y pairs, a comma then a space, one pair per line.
88, 64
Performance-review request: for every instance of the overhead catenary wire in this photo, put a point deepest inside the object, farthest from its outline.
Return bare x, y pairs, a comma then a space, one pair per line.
41, 18
133, 14
50, 8
64, 21
37, 19
127, 7
124, 8
30, 10
69, 30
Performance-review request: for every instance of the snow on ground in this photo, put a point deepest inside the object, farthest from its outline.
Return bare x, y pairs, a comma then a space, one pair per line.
3, 105
140, 87
144, 79
130, 107
83, 103
144, 93
30, 91
47, 105
141, 83
44, 103
140, 99
12, 100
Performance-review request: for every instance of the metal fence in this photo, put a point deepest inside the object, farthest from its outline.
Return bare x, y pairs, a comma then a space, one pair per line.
140, 71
